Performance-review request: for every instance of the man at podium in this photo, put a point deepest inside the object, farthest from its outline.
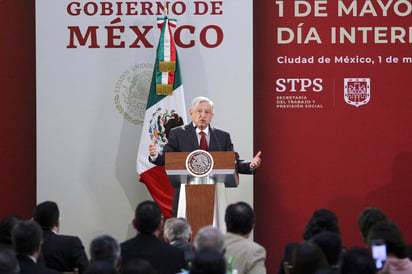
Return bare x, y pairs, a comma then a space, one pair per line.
199, 134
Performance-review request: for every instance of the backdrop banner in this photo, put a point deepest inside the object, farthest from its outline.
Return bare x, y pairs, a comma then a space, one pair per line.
333, 79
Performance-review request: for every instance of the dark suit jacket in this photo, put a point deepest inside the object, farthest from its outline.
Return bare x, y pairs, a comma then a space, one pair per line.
5, 242
163, 257
187, 248
28, 266
63, 253
184, 139
287, 256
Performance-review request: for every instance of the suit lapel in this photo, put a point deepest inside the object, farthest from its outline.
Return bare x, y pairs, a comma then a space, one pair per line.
214, 144
194, 143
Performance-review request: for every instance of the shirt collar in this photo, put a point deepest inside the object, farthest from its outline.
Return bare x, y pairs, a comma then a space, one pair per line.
206, 130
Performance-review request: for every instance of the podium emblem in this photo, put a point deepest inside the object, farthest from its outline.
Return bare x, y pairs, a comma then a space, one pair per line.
199, 163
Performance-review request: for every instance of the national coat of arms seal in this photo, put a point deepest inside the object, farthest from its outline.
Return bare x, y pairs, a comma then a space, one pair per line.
199, 163
131, 92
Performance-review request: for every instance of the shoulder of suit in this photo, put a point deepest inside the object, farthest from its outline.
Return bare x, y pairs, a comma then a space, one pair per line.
69, 238
187, 127
218, 130
240, 238
182, 128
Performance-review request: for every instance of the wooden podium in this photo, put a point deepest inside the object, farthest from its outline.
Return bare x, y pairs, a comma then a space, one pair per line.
202, 200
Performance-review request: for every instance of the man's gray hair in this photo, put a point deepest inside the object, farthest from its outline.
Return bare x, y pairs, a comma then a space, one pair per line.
105, 248
199, 100
210, 239
177, 229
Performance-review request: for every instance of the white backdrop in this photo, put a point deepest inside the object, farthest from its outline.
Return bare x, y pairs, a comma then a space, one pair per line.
90, 102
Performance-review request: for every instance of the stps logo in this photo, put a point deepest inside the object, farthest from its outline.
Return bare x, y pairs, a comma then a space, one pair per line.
357, 91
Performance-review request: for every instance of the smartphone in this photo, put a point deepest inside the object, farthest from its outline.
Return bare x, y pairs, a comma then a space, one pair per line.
378, 249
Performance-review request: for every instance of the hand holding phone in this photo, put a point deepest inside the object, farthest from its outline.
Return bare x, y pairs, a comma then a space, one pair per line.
378, 249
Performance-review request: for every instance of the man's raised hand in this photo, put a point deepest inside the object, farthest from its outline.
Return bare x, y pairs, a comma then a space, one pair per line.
256, 161
152, 147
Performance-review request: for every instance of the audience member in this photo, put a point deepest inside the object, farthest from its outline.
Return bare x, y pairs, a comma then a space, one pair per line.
320, 253
6, 226
27, 237
209, 239
105, 248
321, 220
163, 257
208, 262
307, 258
370, 216
367, 218
248, 256
61, 252
8, 262
397, 261
100, 267
178, 233
138, 266
357, 261
331, 245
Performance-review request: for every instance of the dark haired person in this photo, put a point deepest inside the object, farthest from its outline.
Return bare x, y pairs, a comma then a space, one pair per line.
146, 244
248, 256
397, 261
357, 260
368, 218
6, 226
308, 258
27, 238
322, 220
61, 252
331, 245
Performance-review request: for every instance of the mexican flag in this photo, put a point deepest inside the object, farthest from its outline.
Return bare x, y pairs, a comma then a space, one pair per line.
165, 109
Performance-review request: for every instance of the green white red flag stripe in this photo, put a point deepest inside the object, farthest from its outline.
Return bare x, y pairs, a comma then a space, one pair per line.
166, 49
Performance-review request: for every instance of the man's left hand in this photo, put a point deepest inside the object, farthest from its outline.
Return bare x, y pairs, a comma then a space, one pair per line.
256, 161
